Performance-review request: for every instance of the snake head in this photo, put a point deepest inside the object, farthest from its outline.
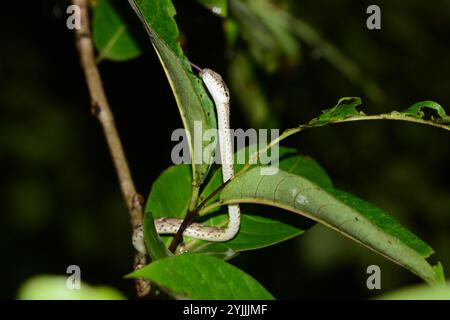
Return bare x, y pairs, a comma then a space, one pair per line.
215, 85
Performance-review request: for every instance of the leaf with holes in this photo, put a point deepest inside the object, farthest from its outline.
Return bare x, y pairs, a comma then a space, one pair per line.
345, 108
417, 111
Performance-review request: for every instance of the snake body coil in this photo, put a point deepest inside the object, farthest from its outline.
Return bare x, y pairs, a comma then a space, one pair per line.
220, 94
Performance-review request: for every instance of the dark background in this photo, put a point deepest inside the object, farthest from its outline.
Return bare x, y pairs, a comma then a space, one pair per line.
60, 203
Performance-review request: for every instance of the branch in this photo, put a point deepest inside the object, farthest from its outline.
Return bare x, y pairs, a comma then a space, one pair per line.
101, 109
289, 132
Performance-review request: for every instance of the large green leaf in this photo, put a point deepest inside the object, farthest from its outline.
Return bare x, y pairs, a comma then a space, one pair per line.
193, 102
112, 36
170, 193
384, 221
195, 276
342, 213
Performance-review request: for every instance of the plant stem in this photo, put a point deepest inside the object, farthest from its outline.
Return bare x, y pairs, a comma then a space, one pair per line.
192, 214
194, 197
101, 109
397, 117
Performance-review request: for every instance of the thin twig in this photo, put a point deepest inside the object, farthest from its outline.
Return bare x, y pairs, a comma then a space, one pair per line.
101, 109
191, 215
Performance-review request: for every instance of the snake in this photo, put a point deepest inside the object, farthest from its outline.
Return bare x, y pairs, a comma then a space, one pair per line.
219, 92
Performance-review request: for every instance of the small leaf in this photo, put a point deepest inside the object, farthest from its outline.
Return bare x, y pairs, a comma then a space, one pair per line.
199, 277
345, 108
372, 229
112, 37
416, 111
155, 247
218, 7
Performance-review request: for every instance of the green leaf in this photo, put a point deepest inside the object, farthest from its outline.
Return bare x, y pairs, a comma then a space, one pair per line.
54, 287
345, 108
112, 37
416, 111
155, 247
304, 166
218, 7
193, 102
158, 18
297, 194
383, 221
195, 276
170, 193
